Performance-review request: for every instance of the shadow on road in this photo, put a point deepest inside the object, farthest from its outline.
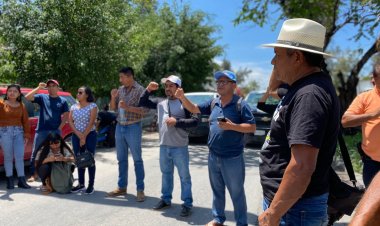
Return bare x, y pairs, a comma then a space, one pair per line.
199, 156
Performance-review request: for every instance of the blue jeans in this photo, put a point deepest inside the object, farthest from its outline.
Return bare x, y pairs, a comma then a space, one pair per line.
310, 211
230, 173
179, 157
129, 137
90, 146
39, 138
12, 142
370, 169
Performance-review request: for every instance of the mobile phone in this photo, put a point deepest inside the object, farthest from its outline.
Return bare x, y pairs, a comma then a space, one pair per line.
221, 119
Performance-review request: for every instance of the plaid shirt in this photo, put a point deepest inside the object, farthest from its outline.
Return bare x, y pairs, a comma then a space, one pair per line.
131, 98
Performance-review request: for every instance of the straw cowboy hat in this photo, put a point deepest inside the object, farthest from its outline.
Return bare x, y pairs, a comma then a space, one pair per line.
302, 34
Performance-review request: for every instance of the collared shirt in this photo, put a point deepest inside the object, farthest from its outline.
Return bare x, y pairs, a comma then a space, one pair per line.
365, 103
226, 143
131, 97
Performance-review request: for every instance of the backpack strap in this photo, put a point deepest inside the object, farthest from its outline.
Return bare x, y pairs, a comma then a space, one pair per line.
238, 105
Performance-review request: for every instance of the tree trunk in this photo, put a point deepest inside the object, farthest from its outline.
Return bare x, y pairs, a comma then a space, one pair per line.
347, 90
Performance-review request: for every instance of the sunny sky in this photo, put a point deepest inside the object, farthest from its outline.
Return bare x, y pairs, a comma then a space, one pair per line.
242, 42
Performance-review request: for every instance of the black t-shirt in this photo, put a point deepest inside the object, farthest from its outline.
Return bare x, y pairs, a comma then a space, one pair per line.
308, 114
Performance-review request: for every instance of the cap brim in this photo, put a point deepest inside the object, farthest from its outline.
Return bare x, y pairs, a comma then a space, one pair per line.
272, 45
219, 74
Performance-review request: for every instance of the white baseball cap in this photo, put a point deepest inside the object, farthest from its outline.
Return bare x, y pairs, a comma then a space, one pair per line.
173, 79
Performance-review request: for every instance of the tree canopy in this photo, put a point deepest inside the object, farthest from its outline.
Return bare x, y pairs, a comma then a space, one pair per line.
336, 14
86, 42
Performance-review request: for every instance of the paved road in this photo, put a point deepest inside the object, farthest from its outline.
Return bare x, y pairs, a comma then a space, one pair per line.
30, 207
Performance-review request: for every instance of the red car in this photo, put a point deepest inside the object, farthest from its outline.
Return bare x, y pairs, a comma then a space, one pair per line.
33, 112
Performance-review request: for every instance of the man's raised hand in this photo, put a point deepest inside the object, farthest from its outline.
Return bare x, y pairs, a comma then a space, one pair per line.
153, 86
179, 93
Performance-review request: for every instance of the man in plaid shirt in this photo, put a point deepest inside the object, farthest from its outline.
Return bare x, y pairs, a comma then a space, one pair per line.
128, 131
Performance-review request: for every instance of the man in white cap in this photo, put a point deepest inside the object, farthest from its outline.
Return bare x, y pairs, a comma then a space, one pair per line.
54, 112
297, 154
173, 119
228, 124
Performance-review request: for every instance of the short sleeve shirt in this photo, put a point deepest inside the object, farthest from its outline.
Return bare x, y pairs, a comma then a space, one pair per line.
81, 116
51, 109
368, 102
308, 114
131, 97
226, 143
66, 152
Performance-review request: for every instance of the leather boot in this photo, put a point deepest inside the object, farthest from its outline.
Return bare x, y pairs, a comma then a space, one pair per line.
22, 183
10, 184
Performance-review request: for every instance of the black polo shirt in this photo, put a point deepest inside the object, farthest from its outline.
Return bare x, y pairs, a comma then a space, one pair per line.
308, 114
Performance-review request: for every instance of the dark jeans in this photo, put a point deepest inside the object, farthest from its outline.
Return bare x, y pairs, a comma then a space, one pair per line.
90, 146
44, 172
370, 169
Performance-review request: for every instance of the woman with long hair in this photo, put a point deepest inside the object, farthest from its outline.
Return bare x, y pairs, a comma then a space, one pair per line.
82, 120
54, 149
14, 134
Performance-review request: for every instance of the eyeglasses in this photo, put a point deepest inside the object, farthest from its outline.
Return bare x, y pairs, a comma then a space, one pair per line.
223, 83
55, 142
80, 92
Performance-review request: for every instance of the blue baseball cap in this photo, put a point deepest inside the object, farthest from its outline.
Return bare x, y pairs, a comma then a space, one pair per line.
228, 74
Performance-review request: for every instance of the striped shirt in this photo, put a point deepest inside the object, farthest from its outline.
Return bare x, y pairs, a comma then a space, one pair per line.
131, 97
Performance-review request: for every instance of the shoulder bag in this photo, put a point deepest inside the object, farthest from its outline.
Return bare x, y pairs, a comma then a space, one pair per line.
344, 196
84, 159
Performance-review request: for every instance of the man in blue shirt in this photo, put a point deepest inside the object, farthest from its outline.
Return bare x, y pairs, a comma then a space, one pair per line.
54, 112
226, 166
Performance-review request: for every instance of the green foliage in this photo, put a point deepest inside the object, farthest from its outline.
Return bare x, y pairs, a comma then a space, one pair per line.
333, 14
184, 47
351, 142
85, 42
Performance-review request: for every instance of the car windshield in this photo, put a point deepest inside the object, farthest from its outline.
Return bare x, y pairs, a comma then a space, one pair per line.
201, 98
253, 98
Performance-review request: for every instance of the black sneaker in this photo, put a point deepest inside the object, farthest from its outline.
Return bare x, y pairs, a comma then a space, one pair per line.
161, 205
185, 212
89, 190
78, 188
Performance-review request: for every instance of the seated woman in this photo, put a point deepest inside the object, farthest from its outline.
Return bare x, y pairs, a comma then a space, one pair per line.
54, 150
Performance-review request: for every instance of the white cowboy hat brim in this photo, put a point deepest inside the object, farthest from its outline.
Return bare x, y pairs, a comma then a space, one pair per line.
295, 47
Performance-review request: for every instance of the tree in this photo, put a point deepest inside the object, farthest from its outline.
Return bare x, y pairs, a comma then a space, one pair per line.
364, 15
241, 76
184, 47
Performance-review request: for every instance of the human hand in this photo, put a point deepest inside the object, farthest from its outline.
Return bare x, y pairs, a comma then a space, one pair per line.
41, 85
59, 158
26, 140
171, 121
179, 93
152, 86
227, 125
51, 158
268, 219
274, 83
114, 93
82, 141
122, 104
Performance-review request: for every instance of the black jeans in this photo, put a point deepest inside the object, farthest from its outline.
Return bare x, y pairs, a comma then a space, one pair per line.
370, 169
44, 172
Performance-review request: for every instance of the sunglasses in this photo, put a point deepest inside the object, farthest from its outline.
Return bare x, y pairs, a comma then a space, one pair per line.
55, 142
80, 92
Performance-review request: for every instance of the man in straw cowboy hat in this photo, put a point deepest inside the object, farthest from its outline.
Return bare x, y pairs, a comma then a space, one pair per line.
300, 146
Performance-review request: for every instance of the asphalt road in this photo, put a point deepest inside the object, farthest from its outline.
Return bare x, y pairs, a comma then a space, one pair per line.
30, 207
